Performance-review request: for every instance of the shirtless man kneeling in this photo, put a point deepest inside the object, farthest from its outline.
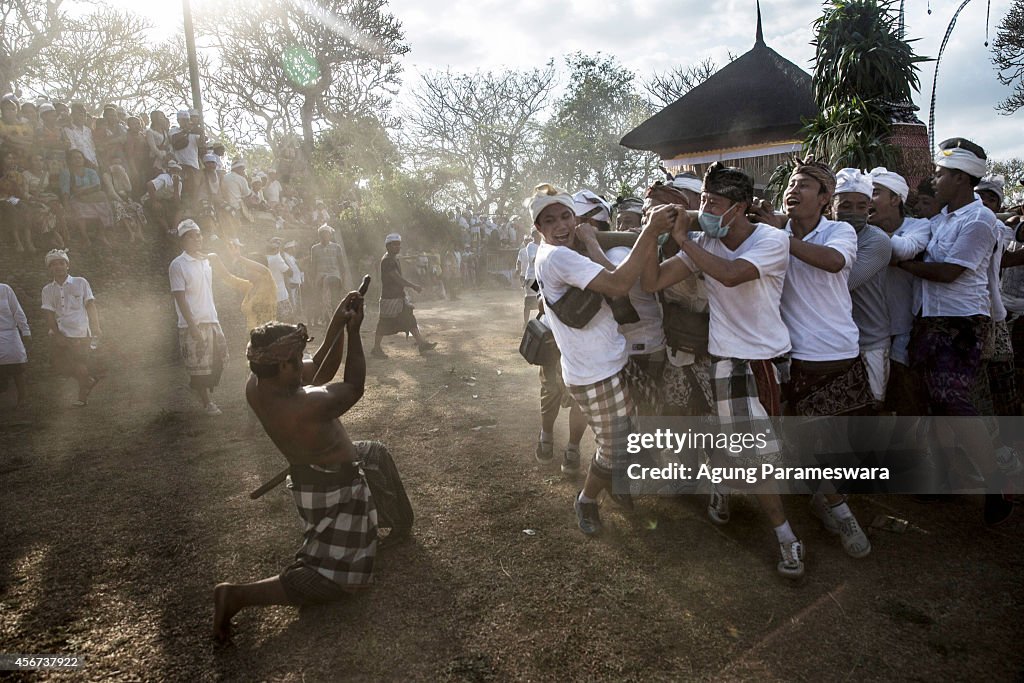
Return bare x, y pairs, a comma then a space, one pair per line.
300, 412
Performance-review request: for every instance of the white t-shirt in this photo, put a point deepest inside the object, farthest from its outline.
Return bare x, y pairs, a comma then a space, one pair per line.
194, 277
965, 237
595, 352
235, 188
13, 324
297, 276
745, 319
278, 267
67, 302
816, 304
527, 255
272, 192
189, 154
648, 334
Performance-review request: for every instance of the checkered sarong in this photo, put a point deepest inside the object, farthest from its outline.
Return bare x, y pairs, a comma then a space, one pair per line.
611, 414
747, 393
340, 519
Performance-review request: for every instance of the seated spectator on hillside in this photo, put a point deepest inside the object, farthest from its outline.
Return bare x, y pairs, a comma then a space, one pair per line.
50, 141
15, 133
78, 134
13, 330
208, 199
164, 192
63, 113
235, 191
158, 142
110, 137
320, 215
272, 192
47, 212
29, 114
84, 198
128, 214
256, 199
136, 155
14, 211
186, 139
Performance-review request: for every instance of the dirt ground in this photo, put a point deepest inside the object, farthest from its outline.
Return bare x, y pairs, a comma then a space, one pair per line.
119, 519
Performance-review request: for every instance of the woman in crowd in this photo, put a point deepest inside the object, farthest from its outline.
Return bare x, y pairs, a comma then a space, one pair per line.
45, 204
128, 213
84, 198
14, 209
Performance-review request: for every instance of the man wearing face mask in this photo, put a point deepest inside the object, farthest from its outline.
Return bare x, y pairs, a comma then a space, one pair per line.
744, 266
827, 375
867, 283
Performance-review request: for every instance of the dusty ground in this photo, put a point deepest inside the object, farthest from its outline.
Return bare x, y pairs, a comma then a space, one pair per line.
119, 519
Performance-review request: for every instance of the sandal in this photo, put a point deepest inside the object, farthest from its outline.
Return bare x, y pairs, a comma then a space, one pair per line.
80, 403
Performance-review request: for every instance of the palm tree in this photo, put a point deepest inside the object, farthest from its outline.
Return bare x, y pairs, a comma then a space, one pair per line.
863, 71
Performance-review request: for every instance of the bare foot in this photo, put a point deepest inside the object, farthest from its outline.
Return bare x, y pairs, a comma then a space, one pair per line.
224, 607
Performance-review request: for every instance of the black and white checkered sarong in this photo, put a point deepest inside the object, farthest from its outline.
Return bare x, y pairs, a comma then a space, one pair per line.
340, 519
611, 414
742, 389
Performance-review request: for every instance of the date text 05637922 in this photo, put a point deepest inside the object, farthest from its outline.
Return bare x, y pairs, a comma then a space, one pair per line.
17, 662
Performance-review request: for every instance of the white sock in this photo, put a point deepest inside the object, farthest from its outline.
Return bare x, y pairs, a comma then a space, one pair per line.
584, 499
546, 437
842, 511
784, 533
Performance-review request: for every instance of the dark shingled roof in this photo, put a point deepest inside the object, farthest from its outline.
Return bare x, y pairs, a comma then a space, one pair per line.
759, 98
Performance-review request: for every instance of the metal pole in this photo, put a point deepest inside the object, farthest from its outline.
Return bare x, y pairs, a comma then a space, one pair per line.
193, 65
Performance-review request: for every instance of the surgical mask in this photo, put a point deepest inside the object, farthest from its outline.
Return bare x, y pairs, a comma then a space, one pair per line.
712, 224
857, 220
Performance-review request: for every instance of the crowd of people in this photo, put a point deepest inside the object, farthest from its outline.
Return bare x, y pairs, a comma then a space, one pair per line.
69, 177
856, 299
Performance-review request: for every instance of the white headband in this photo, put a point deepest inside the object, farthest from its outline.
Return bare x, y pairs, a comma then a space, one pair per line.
853, 180
686, 183
586, 201
393, 237
890, 181
544, 196
962, 160
57, 255
993, 183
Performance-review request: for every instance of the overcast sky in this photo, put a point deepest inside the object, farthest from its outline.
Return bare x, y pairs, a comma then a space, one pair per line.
656, 35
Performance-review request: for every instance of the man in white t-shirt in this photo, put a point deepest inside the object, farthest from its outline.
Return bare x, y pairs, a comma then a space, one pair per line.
744, 265
827, 375
272, 192
74, 324
200, 337
593, 355
524, 267
281, 272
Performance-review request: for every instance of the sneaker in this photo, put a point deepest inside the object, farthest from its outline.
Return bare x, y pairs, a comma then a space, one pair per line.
587, 516
855, 541
718, 507
998, 509
545, 452
570, 461
378, 353
791, 565
212, 409
426, 346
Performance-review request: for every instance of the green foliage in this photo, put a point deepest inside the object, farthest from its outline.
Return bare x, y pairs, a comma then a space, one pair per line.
581, 139
1012, 171
1008, 56
861, 67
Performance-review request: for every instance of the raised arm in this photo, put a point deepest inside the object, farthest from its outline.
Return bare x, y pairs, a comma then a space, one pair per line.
345, 394
619, 281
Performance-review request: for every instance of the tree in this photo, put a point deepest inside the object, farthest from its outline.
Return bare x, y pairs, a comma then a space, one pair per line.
105, 57
1008, 56
481, 130
862, 68
27, 27
665, 88
581, 139
1012, 171
305, 62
